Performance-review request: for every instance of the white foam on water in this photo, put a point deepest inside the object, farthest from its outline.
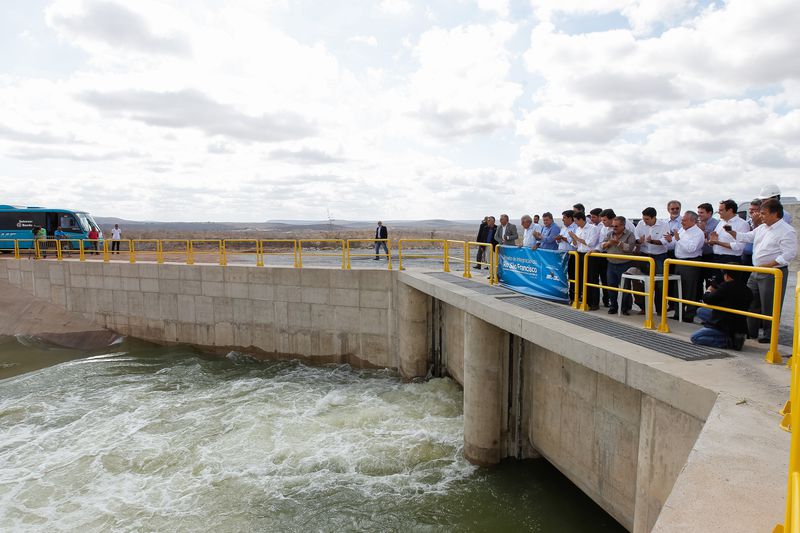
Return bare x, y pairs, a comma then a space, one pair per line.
120, 443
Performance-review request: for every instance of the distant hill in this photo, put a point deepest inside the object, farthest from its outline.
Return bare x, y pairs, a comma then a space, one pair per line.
281, 225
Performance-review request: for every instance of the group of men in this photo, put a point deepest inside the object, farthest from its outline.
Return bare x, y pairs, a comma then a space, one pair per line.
765, 239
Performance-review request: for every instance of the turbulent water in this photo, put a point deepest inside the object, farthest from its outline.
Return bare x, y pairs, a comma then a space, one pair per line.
167, 439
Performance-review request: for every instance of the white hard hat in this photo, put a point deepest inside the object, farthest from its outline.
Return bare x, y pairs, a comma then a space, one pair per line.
768, 191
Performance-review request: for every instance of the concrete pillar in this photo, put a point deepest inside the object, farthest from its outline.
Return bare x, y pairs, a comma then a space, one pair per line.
483, 391
412, 331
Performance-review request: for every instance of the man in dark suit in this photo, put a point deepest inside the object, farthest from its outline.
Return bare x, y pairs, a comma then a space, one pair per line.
481, 238
381, 233
506, 233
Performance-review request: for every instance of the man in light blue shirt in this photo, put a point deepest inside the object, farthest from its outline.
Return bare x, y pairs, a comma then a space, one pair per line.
550, 230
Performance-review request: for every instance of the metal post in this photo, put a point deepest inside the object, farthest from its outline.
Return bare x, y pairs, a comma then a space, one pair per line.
584, 304
466, 260
132, 250
341, 241
299, 254
648, 321
663, 327
575, 302
389, 253
772, 355
446, 256
400, 253
189, 253
160, 252
222, 259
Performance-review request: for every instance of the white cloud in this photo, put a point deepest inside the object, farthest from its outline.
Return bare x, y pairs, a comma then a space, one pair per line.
462, 86
368, 40
496, 6
395, 7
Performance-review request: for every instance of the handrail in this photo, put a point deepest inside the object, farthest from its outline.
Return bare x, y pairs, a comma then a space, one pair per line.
649, 295
492, 264
791, 422
300, 242
230, 252
220, 249
293, 253
350, 254
165, 251
448, 243
772, 355
158, 250
400, 254
575, 280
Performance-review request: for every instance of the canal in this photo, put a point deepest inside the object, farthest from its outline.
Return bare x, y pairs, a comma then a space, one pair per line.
151, 438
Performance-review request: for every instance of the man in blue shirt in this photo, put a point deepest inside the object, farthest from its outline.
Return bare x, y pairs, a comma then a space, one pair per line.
547, 237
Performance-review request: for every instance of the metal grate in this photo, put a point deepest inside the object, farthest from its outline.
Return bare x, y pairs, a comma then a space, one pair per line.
654, 341
476, 286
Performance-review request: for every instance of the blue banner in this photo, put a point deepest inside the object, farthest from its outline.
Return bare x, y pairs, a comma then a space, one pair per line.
540, 273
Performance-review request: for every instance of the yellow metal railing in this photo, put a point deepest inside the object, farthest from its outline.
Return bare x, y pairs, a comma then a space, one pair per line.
575, 280
141, 246
14, 246
171, 247
280, 242
316, 253
488, 251
206, 246
388, 253
401, 255
450, 245
233, 247
791, 423
772, 355
648, 295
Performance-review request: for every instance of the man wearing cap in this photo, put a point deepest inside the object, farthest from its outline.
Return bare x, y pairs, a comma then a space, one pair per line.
774, 245
772, 192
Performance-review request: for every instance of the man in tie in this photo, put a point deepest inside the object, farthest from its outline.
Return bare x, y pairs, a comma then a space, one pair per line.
381, 234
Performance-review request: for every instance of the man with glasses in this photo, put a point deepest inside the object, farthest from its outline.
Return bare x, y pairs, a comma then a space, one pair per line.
619, 241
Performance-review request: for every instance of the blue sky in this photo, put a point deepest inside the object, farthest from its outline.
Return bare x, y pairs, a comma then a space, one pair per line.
276, 109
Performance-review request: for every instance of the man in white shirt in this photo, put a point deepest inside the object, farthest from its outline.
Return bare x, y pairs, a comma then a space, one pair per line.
598, 266
674, 211
649, 234
116, 236
689, 247
774, 245
565, 245
724, 246
528, 234
594, 217
584, 238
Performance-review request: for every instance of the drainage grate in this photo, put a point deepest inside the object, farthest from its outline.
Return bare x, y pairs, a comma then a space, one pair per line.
640, 337
482, 288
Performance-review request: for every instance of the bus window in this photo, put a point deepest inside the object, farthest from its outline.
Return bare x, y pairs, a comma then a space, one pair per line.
69, 223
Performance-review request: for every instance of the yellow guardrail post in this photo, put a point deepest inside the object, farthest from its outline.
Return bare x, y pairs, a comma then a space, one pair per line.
389, 253
772, 355
106, 256
494, 260
467, 273
189, 253
223, 259
159, 252
347, 244
400, 254
132, 251
791, 423
299, 254
446, 256
584, 301
16, 248
131, 258
576, 269
81, 252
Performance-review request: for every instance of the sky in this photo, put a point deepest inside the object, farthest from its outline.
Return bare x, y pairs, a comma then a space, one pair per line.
254, 110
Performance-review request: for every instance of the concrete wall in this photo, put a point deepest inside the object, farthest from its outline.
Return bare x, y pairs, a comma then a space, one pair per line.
623, 448
325, 315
